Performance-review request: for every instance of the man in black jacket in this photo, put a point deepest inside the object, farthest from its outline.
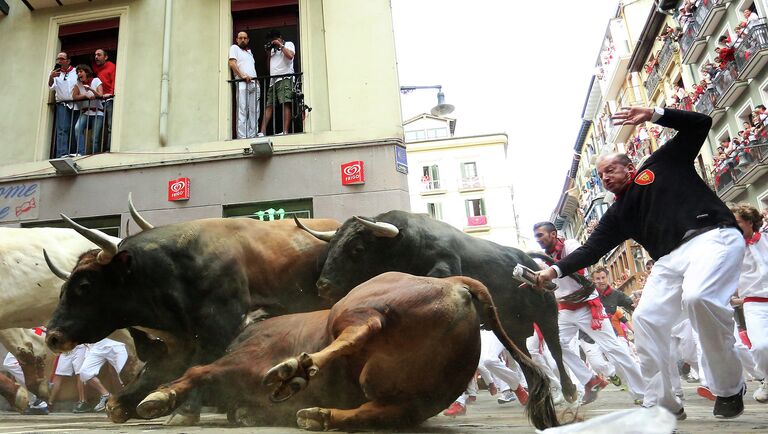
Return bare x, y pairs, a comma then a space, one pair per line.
665, 206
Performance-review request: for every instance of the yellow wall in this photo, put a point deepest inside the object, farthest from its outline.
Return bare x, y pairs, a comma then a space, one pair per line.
347, 53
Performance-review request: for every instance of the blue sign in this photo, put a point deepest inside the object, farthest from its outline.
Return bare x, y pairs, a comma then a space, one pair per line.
401, 160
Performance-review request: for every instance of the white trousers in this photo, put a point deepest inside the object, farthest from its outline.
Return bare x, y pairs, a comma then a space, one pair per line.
698, 277
247, 109
571, 321
490, 350
756, 314
100, 352
596, 360
11, 364
69, 363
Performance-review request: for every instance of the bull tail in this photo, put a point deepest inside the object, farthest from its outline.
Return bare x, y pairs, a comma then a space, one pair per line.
540, 408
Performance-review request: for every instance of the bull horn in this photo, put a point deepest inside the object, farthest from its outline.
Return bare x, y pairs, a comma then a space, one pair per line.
380, 229
323, 236
143, 224
61, 274
107, 243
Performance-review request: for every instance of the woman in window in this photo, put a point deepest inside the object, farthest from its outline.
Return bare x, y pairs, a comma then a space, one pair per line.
87, 93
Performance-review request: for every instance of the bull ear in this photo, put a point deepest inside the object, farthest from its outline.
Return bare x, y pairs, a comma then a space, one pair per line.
380, 229
143, 224
323, 236
122, 260
61, 274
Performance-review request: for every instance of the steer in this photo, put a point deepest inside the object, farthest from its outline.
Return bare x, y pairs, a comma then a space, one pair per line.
190, 284
395, 351
418, 244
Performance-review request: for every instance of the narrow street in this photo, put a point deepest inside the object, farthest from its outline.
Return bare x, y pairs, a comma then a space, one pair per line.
483, 417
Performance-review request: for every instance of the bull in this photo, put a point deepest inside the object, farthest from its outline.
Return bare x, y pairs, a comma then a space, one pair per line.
393, 352
14, 393
418, 244
185, 291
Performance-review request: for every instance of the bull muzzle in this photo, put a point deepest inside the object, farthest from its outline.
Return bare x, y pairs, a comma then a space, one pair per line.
325, 289
58, 342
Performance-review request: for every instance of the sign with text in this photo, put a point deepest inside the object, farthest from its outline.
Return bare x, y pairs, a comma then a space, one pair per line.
352, 173
19, 201
178, 189
401, 160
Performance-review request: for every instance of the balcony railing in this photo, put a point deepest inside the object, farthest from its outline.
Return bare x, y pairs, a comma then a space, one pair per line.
286, 105
689, 35
725, 78
706, 102
478, 220
471, 182
756, 39
666, 53
430, 184
739, 165
88, 129
630, 96
652, 81
704, 8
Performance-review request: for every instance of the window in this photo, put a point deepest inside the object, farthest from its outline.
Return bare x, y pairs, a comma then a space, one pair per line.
430, 177
109, 224
274, 210
475, 207
415, 135
434, 133
80, 41
435, 210
469, 170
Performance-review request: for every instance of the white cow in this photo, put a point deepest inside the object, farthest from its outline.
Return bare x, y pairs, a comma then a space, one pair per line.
29, 292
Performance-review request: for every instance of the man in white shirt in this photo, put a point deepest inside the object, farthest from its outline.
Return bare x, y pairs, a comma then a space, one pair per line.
244, 68
61, 80
281, 54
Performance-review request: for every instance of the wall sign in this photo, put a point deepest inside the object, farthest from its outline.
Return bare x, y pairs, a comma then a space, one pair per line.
352, 173
401, 160
178, 189
19, 201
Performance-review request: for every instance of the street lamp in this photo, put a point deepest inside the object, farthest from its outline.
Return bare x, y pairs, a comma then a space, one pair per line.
441, 109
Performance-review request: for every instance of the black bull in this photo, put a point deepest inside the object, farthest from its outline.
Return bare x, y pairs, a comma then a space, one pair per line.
190, 284
420, 245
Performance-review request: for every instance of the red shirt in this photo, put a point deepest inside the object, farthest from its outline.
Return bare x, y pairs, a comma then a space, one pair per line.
106, 74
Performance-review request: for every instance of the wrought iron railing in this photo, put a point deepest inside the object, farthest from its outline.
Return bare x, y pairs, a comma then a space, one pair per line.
89, 129
268, 95
652, 81
739, 163
471, 182
666, 52
706, 102
700, 15
725, 78
690, 34
755, 39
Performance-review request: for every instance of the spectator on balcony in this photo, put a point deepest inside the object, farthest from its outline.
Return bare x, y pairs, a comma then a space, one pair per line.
87, 93
692, 235
281, 56
62, 80
243, 67
105, 70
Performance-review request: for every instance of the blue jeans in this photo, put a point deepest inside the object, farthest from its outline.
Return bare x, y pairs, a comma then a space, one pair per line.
63, 129
94, 123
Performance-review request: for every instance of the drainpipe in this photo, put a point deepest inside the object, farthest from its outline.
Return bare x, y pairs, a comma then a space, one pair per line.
164, 80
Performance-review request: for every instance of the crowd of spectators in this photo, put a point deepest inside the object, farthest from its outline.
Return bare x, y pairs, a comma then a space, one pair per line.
740, 149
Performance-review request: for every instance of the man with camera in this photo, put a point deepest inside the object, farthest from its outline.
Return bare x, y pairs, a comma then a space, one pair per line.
61, 80
281, 54
244, 69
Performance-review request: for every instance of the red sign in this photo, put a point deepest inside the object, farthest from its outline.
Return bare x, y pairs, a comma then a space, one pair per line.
352, 173
178, 189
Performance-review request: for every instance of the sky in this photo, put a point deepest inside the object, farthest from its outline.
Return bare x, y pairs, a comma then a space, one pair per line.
519, 67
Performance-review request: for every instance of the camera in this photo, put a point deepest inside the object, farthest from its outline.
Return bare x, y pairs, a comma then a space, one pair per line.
271, 46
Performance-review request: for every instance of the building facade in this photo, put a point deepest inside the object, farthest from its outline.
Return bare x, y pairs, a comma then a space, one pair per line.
173, 122
463, 181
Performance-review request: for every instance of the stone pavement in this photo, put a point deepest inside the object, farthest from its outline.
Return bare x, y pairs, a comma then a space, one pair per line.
484, 417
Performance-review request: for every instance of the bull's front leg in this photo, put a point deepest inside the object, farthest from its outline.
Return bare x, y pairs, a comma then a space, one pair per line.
292, 375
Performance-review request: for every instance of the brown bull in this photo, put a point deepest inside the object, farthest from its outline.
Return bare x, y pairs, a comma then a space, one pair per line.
395, 351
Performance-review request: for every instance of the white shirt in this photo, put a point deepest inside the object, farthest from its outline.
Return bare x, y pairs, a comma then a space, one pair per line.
244, 58
63, 85
90, 106
753, 281
279, 64
566, 285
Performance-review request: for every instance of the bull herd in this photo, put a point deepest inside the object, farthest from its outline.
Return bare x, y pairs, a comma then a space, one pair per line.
370, 323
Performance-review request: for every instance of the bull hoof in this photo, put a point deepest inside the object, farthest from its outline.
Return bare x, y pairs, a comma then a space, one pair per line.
281, 372
245, 417
314, 419
183, 419
571, 396
156, 404
287, 389
22, 399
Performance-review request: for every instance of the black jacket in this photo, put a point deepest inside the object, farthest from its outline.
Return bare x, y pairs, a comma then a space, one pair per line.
667, 198
615, 298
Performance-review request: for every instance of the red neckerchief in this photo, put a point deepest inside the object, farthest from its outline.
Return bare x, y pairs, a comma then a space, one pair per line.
632, 175
605, 292
66, 71
557, 250
755, 238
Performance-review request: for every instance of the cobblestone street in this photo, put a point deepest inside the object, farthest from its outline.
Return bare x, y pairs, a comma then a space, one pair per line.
483, 417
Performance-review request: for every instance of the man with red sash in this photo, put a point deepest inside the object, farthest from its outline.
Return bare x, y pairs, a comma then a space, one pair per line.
586, 313
753, 289
666, 207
